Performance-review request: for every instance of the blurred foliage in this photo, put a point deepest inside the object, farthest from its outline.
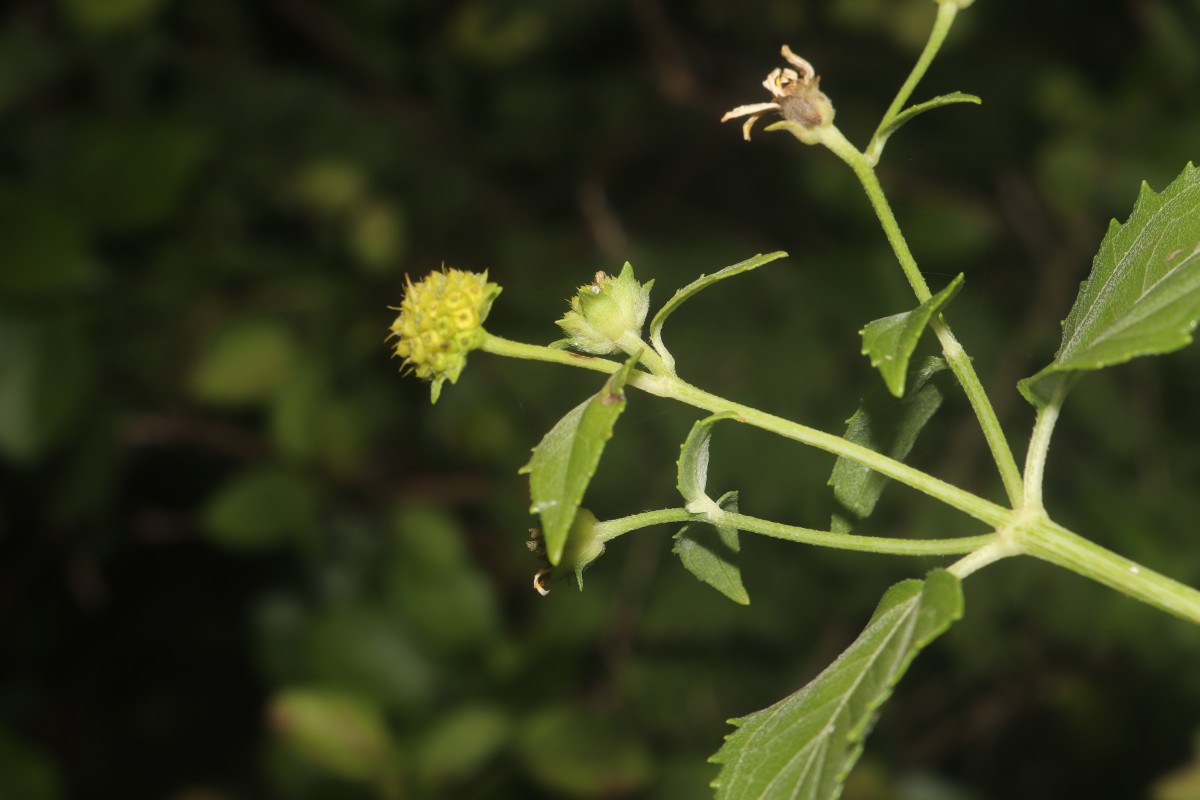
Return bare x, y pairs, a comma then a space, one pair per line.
241, 557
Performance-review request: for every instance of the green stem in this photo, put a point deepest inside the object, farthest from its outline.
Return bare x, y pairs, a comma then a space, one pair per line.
847, 541
678, 389
1045, 539
611, 529
956, 357
941, 26
1039, 445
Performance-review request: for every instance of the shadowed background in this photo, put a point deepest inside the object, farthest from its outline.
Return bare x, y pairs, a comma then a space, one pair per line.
241, 557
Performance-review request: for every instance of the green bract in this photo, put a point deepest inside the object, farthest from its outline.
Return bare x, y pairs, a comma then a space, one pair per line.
606, 312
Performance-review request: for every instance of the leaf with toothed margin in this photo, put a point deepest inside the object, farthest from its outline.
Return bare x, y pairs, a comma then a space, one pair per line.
1143, 295
805, 745
890, 342
692, 288
709, 552
890, 426
565, 460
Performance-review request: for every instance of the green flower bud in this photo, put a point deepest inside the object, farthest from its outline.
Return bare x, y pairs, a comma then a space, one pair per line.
441, 320
605, 313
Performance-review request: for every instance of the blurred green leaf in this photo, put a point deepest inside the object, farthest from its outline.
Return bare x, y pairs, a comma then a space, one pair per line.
123, 177
565, 460
888, 426
337, 731
804, 745
42, 249
1182, 783
377, 237
461, 744
46, 370
108, 16
358, 648
26, 772
331, 186
247, 362
890, 342
1143, 294
571, 752
260, 508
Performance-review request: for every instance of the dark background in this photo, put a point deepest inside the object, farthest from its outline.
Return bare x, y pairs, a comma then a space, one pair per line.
241, 557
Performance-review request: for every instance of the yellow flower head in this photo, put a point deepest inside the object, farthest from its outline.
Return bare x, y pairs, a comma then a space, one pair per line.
441, 320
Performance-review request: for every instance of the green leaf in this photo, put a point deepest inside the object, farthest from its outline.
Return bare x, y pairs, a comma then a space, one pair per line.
1143, 295
336, 731
913, 112
574, 753
890, 342
695, 286
46, 379
247, 362
258, 509
710, 553
888, 426
806, 744
565, 460
693, 458
459, 745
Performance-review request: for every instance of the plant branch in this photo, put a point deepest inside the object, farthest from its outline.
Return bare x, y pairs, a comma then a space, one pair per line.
678, 389
1039, 447
941, 26
956, 357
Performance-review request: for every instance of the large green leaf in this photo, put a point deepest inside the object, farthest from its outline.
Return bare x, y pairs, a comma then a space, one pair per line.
890, 342
565, 460
806, 744
695, 286
888, 426
1143, 295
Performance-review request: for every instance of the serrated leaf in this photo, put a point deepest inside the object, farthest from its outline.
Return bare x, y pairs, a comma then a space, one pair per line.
565, 460
692, 288
806, 744
912, 112
693, 458
1143, 295
710, 553
888, 426
890, 342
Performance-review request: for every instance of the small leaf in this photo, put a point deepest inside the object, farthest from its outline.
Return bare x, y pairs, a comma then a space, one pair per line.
912, 112
246, 362
695, 286
888, 426
565, 460
259, 508
693, 458
336, 731
890, 342
710, 553
806, 744
1143, 295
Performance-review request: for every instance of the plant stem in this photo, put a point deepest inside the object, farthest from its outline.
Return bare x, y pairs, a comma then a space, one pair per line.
941, 26
956, 357
849, 541
675, 388
611, 529
1039, 447
1051, 542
